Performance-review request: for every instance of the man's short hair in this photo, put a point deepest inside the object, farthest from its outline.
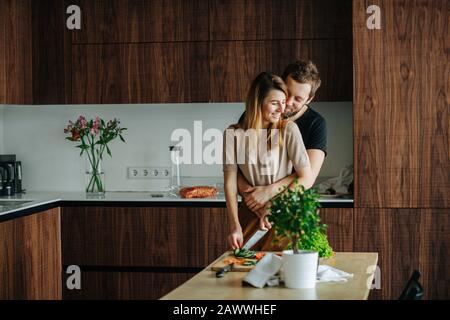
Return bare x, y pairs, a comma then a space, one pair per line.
303, 72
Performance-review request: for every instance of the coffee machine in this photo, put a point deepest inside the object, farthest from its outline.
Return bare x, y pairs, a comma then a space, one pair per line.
10, 175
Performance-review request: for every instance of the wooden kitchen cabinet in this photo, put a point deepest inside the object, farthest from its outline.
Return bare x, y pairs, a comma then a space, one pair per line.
16, 85
406, 239
33, 52
167, 51
51, 52
139, 252
234, 65
275, 19
339, 223
137, 21
30, 257
401, 105
143, 236
125, 285
170, 72
2, 58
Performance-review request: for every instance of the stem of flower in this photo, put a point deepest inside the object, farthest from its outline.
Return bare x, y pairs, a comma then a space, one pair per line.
91, 162
95, 174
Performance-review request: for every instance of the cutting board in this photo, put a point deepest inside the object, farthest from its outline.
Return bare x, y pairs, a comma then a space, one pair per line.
237, 267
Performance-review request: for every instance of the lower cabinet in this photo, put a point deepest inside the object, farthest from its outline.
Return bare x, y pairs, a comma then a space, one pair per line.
30, 257
406, 239
339, 223
139, 252
145, 252
126, 285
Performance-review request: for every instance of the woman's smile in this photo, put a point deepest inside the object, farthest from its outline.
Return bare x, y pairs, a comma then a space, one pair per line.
273, 107
276, 115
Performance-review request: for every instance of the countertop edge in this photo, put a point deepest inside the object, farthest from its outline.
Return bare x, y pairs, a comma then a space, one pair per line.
47, 202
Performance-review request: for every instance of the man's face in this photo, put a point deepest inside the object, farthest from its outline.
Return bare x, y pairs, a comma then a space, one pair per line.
298, 96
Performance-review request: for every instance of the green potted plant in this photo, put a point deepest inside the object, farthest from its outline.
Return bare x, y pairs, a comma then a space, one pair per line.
295, 215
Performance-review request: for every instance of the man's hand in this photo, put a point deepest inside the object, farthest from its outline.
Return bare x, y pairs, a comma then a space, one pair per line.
263, 214
264, 223
258, 197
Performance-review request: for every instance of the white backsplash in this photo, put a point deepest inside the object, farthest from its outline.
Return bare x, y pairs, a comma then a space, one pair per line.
35, 135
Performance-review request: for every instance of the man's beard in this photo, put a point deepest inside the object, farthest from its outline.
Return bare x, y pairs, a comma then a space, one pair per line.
289, 114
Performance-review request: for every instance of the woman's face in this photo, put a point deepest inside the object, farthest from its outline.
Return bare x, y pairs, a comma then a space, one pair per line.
273, 106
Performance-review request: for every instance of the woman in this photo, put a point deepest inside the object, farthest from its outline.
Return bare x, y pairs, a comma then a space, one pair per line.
277, 146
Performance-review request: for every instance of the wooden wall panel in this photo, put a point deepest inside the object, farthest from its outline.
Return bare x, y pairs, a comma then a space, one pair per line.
146, 237
140, 73
123, 21
234, 65
280, 19
407, 239
340, 227
125, 285
30, 257
401, 105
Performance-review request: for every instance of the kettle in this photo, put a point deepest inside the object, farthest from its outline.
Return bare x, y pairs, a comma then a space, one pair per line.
2, 173
6, 188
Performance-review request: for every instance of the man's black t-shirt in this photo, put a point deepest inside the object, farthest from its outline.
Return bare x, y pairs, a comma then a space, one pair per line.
313, 129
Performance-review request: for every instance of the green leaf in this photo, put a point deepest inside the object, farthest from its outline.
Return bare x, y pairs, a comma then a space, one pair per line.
108, 151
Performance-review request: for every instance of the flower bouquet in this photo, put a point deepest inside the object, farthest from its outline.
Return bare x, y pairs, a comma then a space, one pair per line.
94, 135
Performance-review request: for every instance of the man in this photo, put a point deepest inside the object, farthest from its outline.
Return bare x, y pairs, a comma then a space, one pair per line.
302, 80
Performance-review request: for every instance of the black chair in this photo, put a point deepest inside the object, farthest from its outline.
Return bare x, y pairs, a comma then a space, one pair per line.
413, 289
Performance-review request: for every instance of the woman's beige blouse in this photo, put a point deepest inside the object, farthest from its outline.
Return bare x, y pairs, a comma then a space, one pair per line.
267, 167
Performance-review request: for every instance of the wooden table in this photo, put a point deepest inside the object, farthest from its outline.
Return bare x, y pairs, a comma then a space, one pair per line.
205, 286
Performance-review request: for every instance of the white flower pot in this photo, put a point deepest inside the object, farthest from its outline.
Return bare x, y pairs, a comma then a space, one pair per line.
300, 270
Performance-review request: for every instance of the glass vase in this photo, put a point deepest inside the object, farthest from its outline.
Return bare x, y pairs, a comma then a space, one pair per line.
94, 176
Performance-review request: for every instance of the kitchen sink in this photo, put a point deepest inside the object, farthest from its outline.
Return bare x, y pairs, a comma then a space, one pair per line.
11, 203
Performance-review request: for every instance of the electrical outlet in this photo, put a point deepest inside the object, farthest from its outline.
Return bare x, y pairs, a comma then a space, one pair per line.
149, 172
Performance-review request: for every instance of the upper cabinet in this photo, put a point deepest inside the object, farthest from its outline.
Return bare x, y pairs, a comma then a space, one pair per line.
170, 72
234, 65
16, 85
251, 36
280, 19
401, 105
125, 21
167, 51
2, 58
51, 68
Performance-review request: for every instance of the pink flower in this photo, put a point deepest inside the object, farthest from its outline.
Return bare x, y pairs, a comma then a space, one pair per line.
95, 126
82, 121
94, 131
75, 135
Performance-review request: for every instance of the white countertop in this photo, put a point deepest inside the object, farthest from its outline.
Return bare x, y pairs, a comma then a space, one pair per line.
34, 199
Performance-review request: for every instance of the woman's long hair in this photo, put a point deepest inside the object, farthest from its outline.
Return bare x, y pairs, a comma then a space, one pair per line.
260, 88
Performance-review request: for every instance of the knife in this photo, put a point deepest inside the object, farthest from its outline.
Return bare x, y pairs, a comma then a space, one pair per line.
221, 272
254, 239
